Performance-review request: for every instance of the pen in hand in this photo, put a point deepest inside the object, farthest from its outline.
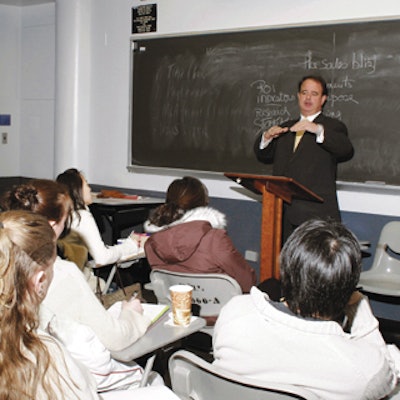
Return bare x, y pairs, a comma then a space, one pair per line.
135, 295
134, 303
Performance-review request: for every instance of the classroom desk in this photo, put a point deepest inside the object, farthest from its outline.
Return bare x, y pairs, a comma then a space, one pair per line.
126, 263
122, 213
158, 336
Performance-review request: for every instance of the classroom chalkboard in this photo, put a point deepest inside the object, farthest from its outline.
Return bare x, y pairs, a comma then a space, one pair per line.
199, 101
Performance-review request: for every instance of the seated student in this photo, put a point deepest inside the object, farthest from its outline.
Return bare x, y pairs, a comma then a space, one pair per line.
33, 364
189, 236
322, 335
69, 295
85, 225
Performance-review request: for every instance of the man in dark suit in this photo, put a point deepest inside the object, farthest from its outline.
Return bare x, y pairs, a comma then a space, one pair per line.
307, 150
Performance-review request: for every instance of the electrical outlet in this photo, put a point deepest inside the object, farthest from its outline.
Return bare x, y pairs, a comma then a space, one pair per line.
251, 255
4, 138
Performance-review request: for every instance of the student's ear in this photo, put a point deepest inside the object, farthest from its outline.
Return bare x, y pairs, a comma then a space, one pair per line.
57, 228
52, 223
39, 284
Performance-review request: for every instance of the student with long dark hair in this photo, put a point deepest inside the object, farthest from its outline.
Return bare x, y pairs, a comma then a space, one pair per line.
84, 224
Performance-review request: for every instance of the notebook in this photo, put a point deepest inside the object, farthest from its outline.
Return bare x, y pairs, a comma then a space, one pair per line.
153, 311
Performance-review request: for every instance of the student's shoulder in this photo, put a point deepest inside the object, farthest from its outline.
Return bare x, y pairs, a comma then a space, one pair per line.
67, 268
78, 216
237, 309
238, 302
84, 214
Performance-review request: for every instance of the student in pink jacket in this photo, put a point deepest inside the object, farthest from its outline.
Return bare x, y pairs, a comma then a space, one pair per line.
189, 236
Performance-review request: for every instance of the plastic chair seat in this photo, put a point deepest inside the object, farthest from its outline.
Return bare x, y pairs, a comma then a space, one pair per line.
385, 284
210, 291
384, 275
194, 378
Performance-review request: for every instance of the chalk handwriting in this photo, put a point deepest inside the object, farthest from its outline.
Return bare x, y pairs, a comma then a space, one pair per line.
272, 105
358, 60
337, 114
267, 93
190, 71
345, 83
363, 61
265, 118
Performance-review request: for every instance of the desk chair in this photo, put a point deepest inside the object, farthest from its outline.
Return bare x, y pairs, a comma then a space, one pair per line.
193, 378
384, 276
117, 269
112, 273
210, 291
382, 281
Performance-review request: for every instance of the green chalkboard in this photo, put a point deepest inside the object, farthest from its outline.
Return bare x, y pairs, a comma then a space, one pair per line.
199, 101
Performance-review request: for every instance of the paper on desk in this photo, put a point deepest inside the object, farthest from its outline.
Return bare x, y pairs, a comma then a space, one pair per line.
140, 254
153, 311
170, 321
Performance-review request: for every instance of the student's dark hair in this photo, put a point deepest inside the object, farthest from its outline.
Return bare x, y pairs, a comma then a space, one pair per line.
41, 196
316, 78
320, 267
72, 179
182, 195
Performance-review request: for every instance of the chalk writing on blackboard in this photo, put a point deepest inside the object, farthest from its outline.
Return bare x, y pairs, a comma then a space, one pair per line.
199, 101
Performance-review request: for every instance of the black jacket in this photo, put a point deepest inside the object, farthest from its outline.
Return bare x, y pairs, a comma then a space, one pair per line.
314, 165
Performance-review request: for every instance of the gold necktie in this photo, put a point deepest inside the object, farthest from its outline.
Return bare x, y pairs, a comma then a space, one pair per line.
297, 139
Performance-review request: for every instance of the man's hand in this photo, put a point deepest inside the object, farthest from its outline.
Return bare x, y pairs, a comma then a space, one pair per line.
306, 125
274, 132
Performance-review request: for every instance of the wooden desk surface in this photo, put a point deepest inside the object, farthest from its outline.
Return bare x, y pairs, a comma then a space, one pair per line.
112, 201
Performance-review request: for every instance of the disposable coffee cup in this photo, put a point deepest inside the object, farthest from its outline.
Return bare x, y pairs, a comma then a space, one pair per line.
181, 299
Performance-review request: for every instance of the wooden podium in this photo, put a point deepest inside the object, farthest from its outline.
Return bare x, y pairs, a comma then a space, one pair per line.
274, 190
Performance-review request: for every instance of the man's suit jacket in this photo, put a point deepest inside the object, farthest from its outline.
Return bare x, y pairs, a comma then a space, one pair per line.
313, 164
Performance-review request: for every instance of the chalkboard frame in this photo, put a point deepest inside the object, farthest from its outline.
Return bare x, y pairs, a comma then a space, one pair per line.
369, 181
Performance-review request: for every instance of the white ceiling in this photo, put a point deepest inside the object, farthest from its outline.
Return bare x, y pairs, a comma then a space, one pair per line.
24, 2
